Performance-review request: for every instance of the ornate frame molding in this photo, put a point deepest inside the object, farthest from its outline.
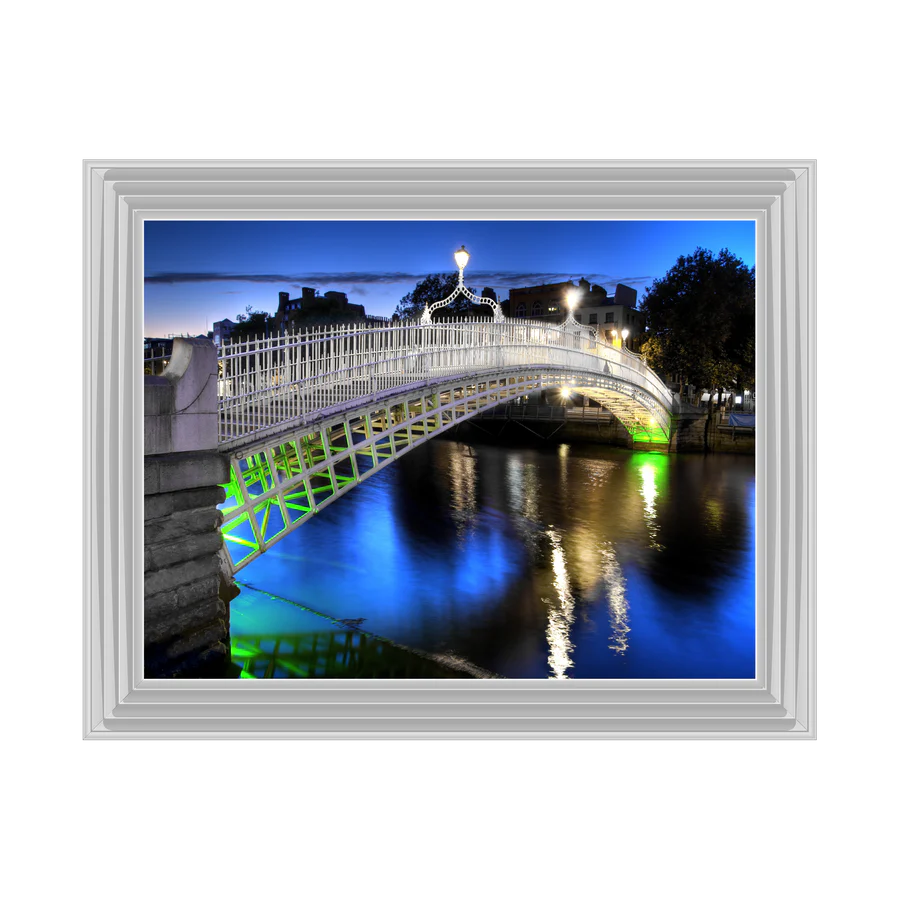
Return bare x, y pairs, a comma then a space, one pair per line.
778, 195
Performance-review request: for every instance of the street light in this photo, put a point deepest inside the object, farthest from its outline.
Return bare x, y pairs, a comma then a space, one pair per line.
624, 336
462, 260
571, 302
565, 393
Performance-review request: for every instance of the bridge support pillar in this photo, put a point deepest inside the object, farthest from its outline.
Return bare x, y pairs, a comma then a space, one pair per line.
187, 579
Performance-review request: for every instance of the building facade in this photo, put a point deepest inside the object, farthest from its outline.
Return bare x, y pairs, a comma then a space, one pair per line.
222, 331
610, 315
313, 308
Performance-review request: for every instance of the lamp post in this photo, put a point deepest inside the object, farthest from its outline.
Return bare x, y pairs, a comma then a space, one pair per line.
624, 336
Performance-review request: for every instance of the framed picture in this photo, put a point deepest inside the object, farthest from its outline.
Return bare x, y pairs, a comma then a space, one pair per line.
780, 191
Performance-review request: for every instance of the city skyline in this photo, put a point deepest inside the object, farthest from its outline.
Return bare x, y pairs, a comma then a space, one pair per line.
198, 272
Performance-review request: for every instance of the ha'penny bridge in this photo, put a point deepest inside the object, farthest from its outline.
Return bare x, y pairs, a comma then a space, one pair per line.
304, 418
290, 423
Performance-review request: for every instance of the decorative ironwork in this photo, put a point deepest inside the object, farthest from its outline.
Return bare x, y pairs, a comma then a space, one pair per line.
462, 259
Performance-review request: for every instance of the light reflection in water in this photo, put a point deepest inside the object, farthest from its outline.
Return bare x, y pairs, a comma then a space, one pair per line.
564, 472
561, 613
649, 492
524, 487
713, 514
462, 486
615, 592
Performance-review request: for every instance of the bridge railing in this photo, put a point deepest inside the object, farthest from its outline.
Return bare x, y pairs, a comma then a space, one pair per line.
265, 382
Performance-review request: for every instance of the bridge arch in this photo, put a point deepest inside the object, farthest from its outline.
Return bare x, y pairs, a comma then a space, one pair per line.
306, 417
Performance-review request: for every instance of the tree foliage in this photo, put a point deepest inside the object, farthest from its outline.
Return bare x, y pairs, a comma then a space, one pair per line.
430, 290
701, 321
252, 323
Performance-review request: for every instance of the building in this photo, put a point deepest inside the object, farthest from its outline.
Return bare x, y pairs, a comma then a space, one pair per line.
222, 331
609, 315
314, 308
612, 316
543, 301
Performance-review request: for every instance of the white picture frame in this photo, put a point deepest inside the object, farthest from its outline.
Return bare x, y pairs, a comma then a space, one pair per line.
779, 195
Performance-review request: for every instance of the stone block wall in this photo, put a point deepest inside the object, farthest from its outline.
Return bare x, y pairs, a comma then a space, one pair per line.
186, 622
688, 431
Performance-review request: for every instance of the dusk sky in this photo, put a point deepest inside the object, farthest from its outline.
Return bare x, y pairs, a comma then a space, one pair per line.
199, 272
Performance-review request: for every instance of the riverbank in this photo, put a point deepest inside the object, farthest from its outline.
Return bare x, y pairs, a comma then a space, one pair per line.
513, 423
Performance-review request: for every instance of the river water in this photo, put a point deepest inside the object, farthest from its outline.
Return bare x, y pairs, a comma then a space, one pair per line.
541, 561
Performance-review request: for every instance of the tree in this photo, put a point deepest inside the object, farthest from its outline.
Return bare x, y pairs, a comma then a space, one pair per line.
430, 290
701, 322
252, 323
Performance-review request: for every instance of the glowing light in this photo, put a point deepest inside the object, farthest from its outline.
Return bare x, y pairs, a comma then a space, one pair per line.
566, 393
625, 334
462, 257
463, 486
618, 604
561, 615
572, 299
649, 492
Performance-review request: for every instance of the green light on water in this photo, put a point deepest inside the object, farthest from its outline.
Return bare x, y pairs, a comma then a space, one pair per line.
652, 435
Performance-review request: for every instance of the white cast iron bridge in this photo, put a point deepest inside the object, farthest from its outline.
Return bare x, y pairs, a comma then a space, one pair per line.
307, 416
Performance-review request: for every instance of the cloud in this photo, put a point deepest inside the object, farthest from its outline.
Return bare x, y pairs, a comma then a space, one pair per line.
359, 280
307, 279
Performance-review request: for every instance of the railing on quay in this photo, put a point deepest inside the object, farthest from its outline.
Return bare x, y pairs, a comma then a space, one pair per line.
155, 360
264, 382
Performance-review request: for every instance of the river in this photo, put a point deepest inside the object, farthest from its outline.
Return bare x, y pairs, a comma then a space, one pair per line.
540, 561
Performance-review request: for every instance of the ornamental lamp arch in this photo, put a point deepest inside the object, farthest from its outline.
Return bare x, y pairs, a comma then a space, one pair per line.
462, 257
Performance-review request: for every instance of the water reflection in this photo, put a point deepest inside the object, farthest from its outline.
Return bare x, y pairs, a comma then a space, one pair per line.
463, 481
616, 601
649, 492
713, 513
330, 654
531, 562
561, 612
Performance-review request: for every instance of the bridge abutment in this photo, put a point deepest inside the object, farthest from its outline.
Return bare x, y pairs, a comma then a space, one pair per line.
188, 581
694, 432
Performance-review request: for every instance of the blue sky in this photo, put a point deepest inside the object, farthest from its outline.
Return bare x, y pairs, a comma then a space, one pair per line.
198, 272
